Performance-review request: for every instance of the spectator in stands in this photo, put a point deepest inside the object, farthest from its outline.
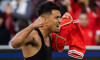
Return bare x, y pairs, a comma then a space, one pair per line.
9, 20
87, 32
87, 5
21, 9
98, 3
3, 4
97, 37
4, 33
77, 6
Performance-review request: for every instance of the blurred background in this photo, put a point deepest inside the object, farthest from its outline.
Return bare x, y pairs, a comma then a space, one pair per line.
15, 15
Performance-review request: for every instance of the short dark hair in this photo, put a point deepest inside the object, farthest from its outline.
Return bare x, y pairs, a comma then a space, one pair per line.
84, 12
47, 7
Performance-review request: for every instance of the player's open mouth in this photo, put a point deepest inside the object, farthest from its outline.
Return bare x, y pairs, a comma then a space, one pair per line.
57, 26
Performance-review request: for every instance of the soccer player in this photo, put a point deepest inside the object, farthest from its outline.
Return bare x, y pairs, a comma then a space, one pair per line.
34, 39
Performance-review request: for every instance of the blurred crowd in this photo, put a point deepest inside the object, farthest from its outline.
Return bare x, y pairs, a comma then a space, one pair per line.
15, 15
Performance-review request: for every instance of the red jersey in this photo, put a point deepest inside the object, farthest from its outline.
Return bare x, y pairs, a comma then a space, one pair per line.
94, 18
88, 36
71, 35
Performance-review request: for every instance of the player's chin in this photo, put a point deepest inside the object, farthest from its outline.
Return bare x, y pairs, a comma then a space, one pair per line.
57, 31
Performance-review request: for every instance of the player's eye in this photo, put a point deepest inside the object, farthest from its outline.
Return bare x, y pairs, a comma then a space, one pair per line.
57, 16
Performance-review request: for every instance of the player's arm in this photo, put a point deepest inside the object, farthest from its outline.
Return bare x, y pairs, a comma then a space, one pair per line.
24, 34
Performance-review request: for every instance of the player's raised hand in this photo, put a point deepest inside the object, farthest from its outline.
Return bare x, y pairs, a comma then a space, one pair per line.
40, 21
67, 15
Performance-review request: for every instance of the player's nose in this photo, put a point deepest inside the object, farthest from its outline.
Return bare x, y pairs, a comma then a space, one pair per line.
60, 20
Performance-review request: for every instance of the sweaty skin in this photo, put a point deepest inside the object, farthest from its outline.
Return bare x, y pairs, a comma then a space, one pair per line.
29, 40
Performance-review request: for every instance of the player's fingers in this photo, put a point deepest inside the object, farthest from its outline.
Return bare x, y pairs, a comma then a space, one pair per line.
69, 15
65, 16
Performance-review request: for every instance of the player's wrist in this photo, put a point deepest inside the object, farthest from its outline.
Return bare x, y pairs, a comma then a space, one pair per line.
33, 26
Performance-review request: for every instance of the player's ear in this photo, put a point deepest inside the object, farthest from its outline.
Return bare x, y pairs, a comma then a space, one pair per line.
44, 17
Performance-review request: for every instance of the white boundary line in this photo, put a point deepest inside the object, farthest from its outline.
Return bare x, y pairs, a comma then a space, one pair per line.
87, 47
65, 48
